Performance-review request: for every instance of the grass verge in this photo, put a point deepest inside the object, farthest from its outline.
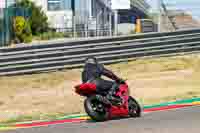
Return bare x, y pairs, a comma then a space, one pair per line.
51, 95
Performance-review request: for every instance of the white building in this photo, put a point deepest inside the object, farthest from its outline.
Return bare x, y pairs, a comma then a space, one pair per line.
59, 12
58, 15
126, 13
4, 3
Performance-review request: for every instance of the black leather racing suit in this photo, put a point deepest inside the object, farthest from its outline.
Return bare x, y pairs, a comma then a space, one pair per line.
92, 73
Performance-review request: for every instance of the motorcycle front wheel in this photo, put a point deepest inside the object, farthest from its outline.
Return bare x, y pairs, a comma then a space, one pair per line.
95, 109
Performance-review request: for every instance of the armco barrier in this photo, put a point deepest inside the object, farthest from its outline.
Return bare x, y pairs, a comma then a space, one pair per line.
28, 59
91, 45
39, 58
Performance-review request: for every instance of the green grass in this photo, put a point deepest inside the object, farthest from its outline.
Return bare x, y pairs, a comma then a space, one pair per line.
36, 117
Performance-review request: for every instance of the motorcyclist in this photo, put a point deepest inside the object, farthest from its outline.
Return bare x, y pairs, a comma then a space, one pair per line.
92, 73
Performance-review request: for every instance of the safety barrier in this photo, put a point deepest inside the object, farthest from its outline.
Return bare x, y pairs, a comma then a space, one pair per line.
48, 57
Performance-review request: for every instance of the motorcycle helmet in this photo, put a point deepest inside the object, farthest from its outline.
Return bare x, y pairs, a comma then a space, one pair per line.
91, 60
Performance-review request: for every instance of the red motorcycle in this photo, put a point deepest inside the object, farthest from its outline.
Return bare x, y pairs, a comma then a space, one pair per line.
98, 107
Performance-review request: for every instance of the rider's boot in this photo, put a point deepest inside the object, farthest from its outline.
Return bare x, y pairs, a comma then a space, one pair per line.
111, 96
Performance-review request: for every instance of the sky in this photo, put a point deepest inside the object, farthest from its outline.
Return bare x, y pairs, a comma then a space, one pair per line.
190, 6
120, 4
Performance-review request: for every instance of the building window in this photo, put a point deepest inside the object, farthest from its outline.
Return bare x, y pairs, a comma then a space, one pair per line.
57, 5
7, 3
54, 5
83, 7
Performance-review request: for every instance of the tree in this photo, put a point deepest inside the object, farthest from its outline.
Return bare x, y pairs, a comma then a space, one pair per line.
38, 19
22, 30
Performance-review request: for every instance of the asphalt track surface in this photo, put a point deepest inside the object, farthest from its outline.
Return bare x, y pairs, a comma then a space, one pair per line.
184, 120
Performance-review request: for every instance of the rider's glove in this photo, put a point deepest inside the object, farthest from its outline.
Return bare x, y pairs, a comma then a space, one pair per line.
120, 81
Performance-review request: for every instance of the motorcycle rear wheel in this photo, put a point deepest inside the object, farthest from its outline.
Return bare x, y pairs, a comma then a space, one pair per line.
96, 109
134, 107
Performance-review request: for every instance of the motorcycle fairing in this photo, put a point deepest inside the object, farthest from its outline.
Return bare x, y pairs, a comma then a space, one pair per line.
86, 89
122, 110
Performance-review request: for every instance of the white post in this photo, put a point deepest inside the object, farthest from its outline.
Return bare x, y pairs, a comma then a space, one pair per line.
159, 15
110, 23
74, 26
116, 21
97, 23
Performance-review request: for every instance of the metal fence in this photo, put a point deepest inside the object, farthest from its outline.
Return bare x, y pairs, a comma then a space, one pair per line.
4, 32
6, 23
84, 32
